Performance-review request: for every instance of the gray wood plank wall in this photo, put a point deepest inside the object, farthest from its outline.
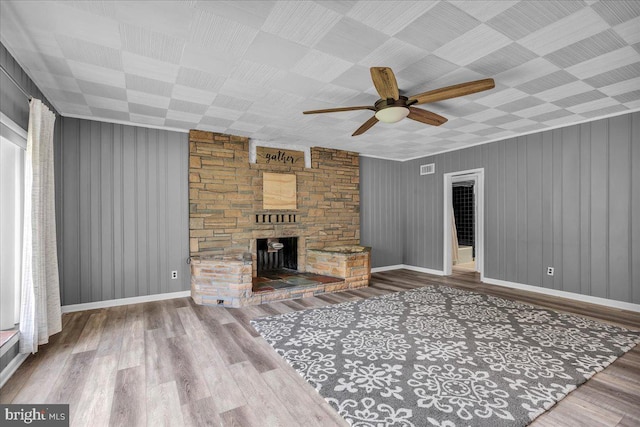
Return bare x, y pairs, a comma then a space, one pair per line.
381, 210
124, 211
567, 198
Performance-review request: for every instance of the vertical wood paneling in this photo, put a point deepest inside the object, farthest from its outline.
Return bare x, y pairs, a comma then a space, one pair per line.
567, 198
635, 209
599, 209
619, 207
570, 194
115, 186
381, 210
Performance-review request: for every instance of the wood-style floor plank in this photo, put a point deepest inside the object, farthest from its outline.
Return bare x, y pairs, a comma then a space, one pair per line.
177, 363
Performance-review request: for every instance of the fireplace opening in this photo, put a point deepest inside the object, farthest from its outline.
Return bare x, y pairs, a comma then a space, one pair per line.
277, 254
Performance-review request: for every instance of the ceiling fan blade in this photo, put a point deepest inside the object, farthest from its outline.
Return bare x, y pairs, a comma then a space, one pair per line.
454, 91
385, 82
425, 116
336, 110
366, 126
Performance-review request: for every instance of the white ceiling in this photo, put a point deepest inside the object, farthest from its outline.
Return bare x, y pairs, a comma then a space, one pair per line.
251, 67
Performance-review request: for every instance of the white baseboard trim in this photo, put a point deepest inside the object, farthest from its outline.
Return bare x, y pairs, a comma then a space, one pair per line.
564, 294
387, 268
123, 301
408, 267
11, 368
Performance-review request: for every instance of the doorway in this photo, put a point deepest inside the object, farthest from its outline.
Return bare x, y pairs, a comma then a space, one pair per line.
463, 237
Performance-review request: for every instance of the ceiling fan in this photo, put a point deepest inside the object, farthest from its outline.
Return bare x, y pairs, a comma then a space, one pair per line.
393, 107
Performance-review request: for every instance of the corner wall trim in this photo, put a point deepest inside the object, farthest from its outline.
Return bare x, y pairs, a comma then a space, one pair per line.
11, 368
564, 294
408, 267
124, 301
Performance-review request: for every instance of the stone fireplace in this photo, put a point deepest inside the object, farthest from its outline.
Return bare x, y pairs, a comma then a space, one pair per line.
276, 253
233, 238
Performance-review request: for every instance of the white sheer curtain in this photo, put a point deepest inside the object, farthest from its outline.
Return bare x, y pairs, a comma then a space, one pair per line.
40, 313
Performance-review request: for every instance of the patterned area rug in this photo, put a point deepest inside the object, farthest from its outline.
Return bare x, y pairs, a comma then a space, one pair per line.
441, 356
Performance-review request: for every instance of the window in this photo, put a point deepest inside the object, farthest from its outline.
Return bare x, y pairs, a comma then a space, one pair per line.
13, 144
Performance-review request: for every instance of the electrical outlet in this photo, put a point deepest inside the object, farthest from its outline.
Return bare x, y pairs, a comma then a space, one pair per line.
174, 274
550, 271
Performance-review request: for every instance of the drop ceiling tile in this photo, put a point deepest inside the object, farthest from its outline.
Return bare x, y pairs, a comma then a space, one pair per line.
107, 103
231, 102
146, 120
559, 121
356, 77
72, 108
629, 30
183, 116
628, 97
103, 113
250, 13
149, 67
506, 58
245, 126
517, 124
220, 64
393, 53
90, 53
198, 79
190, 94
220, 34
617, 12
606, 62
275, 51
99, 89
151, 86
243, 90
551, 116
144, 98
620, 88
473, 45
473, 127
614, 76
444, 22
36, 61
426, 70
593, 105
580, 98
351, 40
564, 91
585, 49
546, 82
255, 73
147, 110
389, 17
172, 18
215, 121
526, 17
336, 95
294, 83
537, 110
502, 120
483, 116
187, 107
94, 73
47, 80
520, 104
304, 22
526, 72
579, 25
605, 111
502, 97
151, 44
483, 10
215, 111
179, 124
321, 66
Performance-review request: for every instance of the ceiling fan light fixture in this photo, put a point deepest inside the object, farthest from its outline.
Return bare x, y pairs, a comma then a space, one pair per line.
392, 114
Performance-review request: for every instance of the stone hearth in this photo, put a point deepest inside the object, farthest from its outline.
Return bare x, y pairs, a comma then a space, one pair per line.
226, 219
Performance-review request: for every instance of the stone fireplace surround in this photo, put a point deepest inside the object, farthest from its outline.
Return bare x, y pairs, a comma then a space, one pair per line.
226, 219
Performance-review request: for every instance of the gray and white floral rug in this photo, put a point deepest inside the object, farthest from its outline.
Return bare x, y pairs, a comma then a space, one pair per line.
441, 356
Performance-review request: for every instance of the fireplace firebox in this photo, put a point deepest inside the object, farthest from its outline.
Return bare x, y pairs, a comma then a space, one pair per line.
277, 254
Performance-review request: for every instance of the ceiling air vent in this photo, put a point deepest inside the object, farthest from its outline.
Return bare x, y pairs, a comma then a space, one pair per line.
427, 169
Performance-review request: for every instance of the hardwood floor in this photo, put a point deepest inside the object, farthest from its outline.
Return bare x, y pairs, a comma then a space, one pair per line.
176, 363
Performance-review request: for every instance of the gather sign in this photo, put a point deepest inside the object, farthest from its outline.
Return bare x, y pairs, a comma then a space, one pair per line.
279, 156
